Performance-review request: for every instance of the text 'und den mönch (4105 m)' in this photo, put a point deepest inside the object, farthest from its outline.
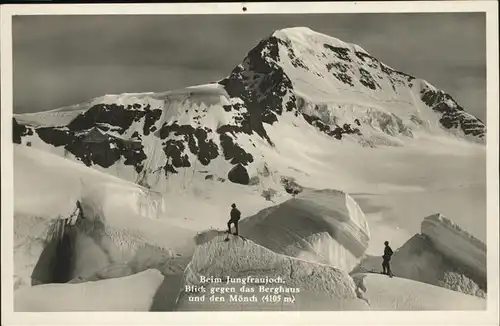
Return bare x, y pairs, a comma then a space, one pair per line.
242, 289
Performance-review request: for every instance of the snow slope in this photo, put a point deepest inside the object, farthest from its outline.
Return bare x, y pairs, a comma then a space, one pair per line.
302, 108
314, 286
122, 221
106, 198
384, 293
443, 254
132, 293
456, 243
318, 226
318, 287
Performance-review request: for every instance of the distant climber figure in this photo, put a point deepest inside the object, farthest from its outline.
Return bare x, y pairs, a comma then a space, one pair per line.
386, 266
235, 217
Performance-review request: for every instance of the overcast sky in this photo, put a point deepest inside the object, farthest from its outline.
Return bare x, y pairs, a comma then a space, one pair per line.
63, 60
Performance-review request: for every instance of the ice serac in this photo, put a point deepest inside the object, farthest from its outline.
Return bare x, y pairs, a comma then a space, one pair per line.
456, 243
312, 286
325, 226
443, 254
123, 222
130, 293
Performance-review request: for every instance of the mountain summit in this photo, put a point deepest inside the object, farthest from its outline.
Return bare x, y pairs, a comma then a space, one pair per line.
296, 85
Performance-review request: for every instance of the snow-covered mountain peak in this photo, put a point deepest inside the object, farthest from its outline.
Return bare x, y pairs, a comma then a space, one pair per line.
296, 81
310, 38
333, 83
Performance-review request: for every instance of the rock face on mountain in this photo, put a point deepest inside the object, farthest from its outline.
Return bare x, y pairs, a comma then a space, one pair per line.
294, 77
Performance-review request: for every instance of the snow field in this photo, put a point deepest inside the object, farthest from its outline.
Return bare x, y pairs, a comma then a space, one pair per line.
130, 293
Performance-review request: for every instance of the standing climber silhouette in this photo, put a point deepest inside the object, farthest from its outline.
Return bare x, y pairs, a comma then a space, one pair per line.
386, 266
235, 217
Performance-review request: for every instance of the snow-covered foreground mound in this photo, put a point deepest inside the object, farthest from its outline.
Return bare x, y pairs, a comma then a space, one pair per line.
131, 293
306, 285
324, 226
443, 254
384, 293
241, 275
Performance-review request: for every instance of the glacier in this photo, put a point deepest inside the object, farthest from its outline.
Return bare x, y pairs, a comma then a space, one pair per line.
315, 125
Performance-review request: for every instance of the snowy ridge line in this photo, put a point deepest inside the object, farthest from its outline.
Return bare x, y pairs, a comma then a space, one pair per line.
220, 233
457, 245
298, 33
132, 98
324, 226
440, 218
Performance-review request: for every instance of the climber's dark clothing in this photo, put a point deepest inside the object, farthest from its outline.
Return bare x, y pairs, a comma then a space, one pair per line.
386, 266
235, 217
387, 253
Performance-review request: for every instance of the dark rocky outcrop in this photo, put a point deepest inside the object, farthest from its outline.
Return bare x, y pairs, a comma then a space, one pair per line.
196, 138
238, 174
453, 116
113, 114
367, 79
291, 186
335, 132
19, 131
265, 95
151, 117
233, 152
55, 136
340, 52
340, 71
174, 150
